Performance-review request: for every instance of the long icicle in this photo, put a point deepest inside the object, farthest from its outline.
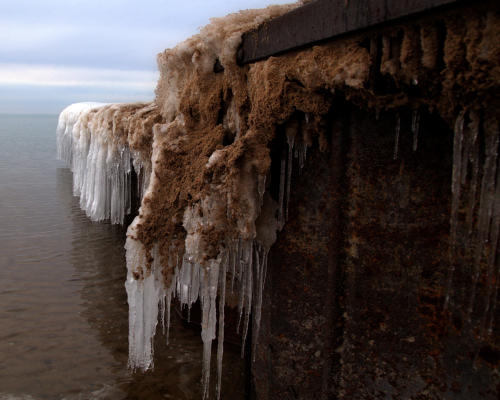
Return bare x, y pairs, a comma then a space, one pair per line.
220, 337
291, 141
233, 257
491, 274
491, 129
169, 300
474, 161
455, 190
209, 284
243, 277
260, 271
248, 295
281, 219
162, 313
487, 199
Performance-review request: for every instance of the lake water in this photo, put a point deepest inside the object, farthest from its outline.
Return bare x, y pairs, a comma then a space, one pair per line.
63, 306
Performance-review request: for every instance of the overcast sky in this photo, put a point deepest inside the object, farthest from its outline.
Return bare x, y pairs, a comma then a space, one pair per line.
57, 52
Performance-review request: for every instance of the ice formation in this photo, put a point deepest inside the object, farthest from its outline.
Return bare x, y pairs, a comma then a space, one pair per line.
476, 189
211, 205
97, 142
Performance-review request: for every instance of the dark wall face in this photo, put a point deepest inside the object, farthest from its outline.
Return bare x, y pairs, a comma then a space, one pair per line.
354, 296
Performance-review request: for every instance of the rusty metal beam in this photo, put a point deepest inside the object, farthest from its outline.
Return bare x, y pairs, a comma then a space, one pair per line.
324, 19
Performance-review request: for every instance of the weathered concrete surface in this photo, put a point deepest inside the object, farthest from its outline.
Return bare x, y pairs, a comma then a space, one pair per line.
353, 307
295, 341
396, 254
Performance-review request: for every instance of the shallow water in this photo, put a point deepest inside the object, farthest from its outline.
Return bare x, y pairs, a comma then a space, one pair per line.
63, 306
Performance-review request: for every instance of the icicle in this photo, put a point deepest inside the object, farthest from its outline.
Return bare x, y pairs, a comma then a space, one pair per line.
168, 305
184, 281
455, 190
486, 202
143, 292
474, 161
138, 171
281, 219
162, 313
257, 265
302, 150
143, 173
291, 141
233, 253
243, 277
261, 186
260, 276
264, 273
220, 337
195, 284
491, 272
248, 293
415, 127
208, 291
466, 150
396, 138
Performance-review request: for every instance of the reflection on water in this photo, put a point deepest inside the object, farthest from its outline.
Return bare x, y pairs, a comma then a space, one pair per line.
63, 309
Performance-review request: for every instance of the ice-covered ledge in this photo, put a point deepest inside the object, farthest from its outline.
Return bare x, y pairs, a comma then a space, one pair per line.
104, 144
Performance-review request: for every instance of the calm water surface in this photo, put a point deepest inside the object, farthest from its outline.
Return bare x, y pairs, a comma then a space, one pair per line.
63, 306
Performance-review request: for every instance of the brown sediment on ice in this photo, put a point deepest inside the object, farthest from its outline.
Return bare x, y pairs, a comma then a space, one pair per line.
217, 110
128, 124
205, 100
123, 124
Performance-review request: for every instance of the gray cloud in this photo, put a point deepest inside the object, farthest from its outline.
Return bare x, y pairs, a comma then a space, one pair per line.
94, 34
